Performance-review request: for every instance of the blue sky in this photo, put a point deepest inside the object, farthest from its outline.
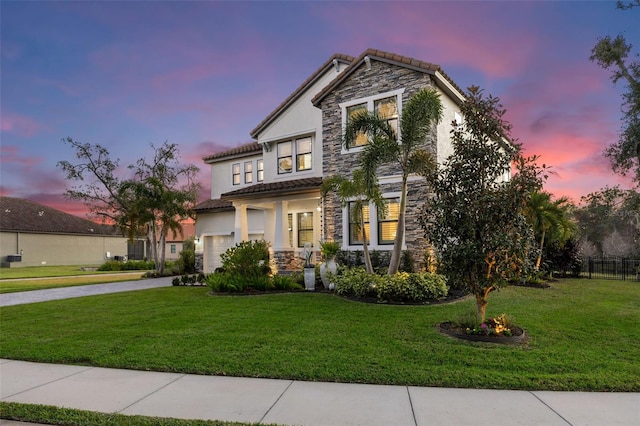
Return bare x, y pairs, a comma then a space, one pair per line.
204, 74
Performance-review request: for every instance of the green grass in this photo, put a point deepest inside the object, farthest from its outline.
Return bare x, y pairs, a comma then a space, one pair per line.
584, 336
45, 271
50, 415
43, 277
11, 286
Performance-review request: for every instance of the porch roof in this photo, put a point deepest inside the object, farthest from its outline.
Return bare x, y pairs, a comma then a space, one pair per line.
216, 204
273, 188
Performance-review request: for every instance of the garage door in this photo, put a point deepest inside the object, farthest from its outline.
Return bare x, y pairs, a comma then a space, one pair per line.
214, 247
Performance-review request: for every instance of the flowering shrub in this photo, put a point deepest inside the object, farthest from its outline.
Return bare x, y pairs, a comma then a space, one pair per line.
498, 326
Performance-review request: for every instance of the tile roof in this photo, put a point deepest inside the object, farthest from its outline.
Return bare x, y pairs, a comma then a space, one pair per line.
286, 186
239, 151
216, 204
341, 58
391, 58
17, 214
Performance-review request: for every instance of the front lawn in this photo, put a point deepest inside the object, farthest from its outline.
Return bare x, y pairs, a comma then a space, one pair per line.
584, 336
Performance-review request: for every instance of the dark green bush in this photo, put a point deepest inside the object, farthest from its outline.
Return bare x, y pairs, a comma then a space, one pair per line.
285, 282
129, 265
248, 258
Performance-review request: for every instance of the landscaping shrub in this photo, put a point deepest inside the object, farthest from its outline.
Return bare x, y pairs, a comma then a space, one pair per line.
285, 282
226, 283
356, 282
129, 265
412, 287
247, 259
401, 287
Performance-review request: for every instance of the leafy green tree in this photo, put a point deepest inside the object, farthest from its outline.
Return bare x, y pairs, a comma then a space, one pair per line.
154, 201
419, 116
549, 219
357, 192
613, 53
610, 211
475, 218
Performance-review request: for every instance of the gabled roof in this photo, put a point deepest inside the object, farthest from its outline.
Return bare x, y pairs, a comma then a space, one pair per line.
244, 150
443, 79
218, 205
285, 186
17, 214
334, 60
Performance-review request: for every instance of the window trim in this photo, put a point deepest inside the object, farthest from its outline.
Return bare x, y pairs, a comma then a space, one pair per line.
260, 170
369, 101
235, 172
249, 172
299, 228
294, 141
373, 228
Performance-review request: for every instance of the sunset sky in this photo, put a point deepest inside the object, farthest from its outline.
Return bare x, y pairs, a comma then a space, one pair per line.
204, 74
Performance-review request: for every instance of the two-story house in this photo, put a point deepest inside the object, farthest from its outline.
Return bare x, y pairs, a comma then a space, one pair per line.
270, 188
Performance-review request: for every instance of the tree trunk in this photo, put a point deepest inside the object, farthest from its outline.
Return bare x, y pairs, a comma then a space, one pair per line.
365, 246
163, 248
539, 260
482, 302
394, 263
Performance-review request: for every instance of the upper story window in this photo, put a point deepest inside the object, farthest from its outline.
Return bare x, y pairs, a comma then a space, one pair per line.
301, 149
388, 105
260, 171
248, 172
235, 171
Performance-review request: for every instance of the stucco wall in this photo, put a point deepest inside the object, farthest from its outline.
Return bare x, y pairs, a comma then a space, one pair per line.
50, 249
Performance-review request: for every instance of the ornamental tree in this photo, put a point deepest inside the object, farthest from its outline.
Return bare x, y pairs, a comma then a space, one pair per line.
153, 202
475, 218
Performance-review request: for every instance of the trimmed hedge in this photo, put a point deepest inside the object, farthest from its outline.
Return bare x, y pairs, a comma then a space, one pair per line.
402, 287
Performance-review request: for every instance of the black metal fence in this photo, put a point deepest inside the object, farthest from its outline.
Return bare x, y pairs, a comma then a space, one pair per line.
612, 268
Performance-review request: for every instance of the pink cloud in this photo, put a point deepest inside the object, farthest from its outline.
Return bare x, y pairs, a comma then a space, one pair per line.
10, 154
20, 125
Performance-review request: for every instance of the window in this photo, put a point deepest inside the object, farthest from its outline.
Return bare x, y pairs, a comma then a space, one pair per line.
355, 234
290, 221
303, 155
457, 118
236, 173
388, 225
173, 248
248, 172
361, 137
387, 108
260, 171
284, 158
388, 105
305, 228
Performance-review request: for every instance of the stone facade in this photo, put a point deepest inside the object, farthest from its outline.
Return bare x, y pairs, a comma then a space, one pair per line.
380, 78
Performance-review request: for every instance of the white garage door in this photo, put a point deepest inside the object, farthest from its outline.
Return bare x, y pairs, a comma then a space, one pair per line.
214, 247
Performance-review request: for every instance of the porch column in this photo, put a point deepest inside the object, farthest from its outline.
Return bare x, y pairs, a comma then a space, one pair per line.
281, 232
241, 226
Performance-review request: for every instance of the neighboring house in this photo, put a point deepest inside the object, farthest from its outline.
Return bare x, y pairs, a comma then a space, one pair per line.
174, 242
270, 188
32, 234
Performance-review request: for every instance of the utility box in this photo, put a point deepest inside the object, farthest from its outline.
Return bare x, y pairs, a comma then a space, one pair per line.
14, 258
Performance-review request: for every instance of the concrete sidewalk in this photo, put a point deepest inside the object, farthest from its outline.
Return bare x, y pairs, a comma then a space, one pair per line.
20, 298
293, 402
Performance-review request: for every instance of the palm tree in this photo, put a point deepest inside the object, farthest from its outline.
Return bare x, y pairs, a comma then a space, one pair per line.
549, 220
421, 113
356, 191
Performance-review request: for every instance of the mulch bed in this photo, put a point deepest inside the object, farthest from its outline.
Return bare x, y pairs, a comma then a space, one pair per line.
518, 335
